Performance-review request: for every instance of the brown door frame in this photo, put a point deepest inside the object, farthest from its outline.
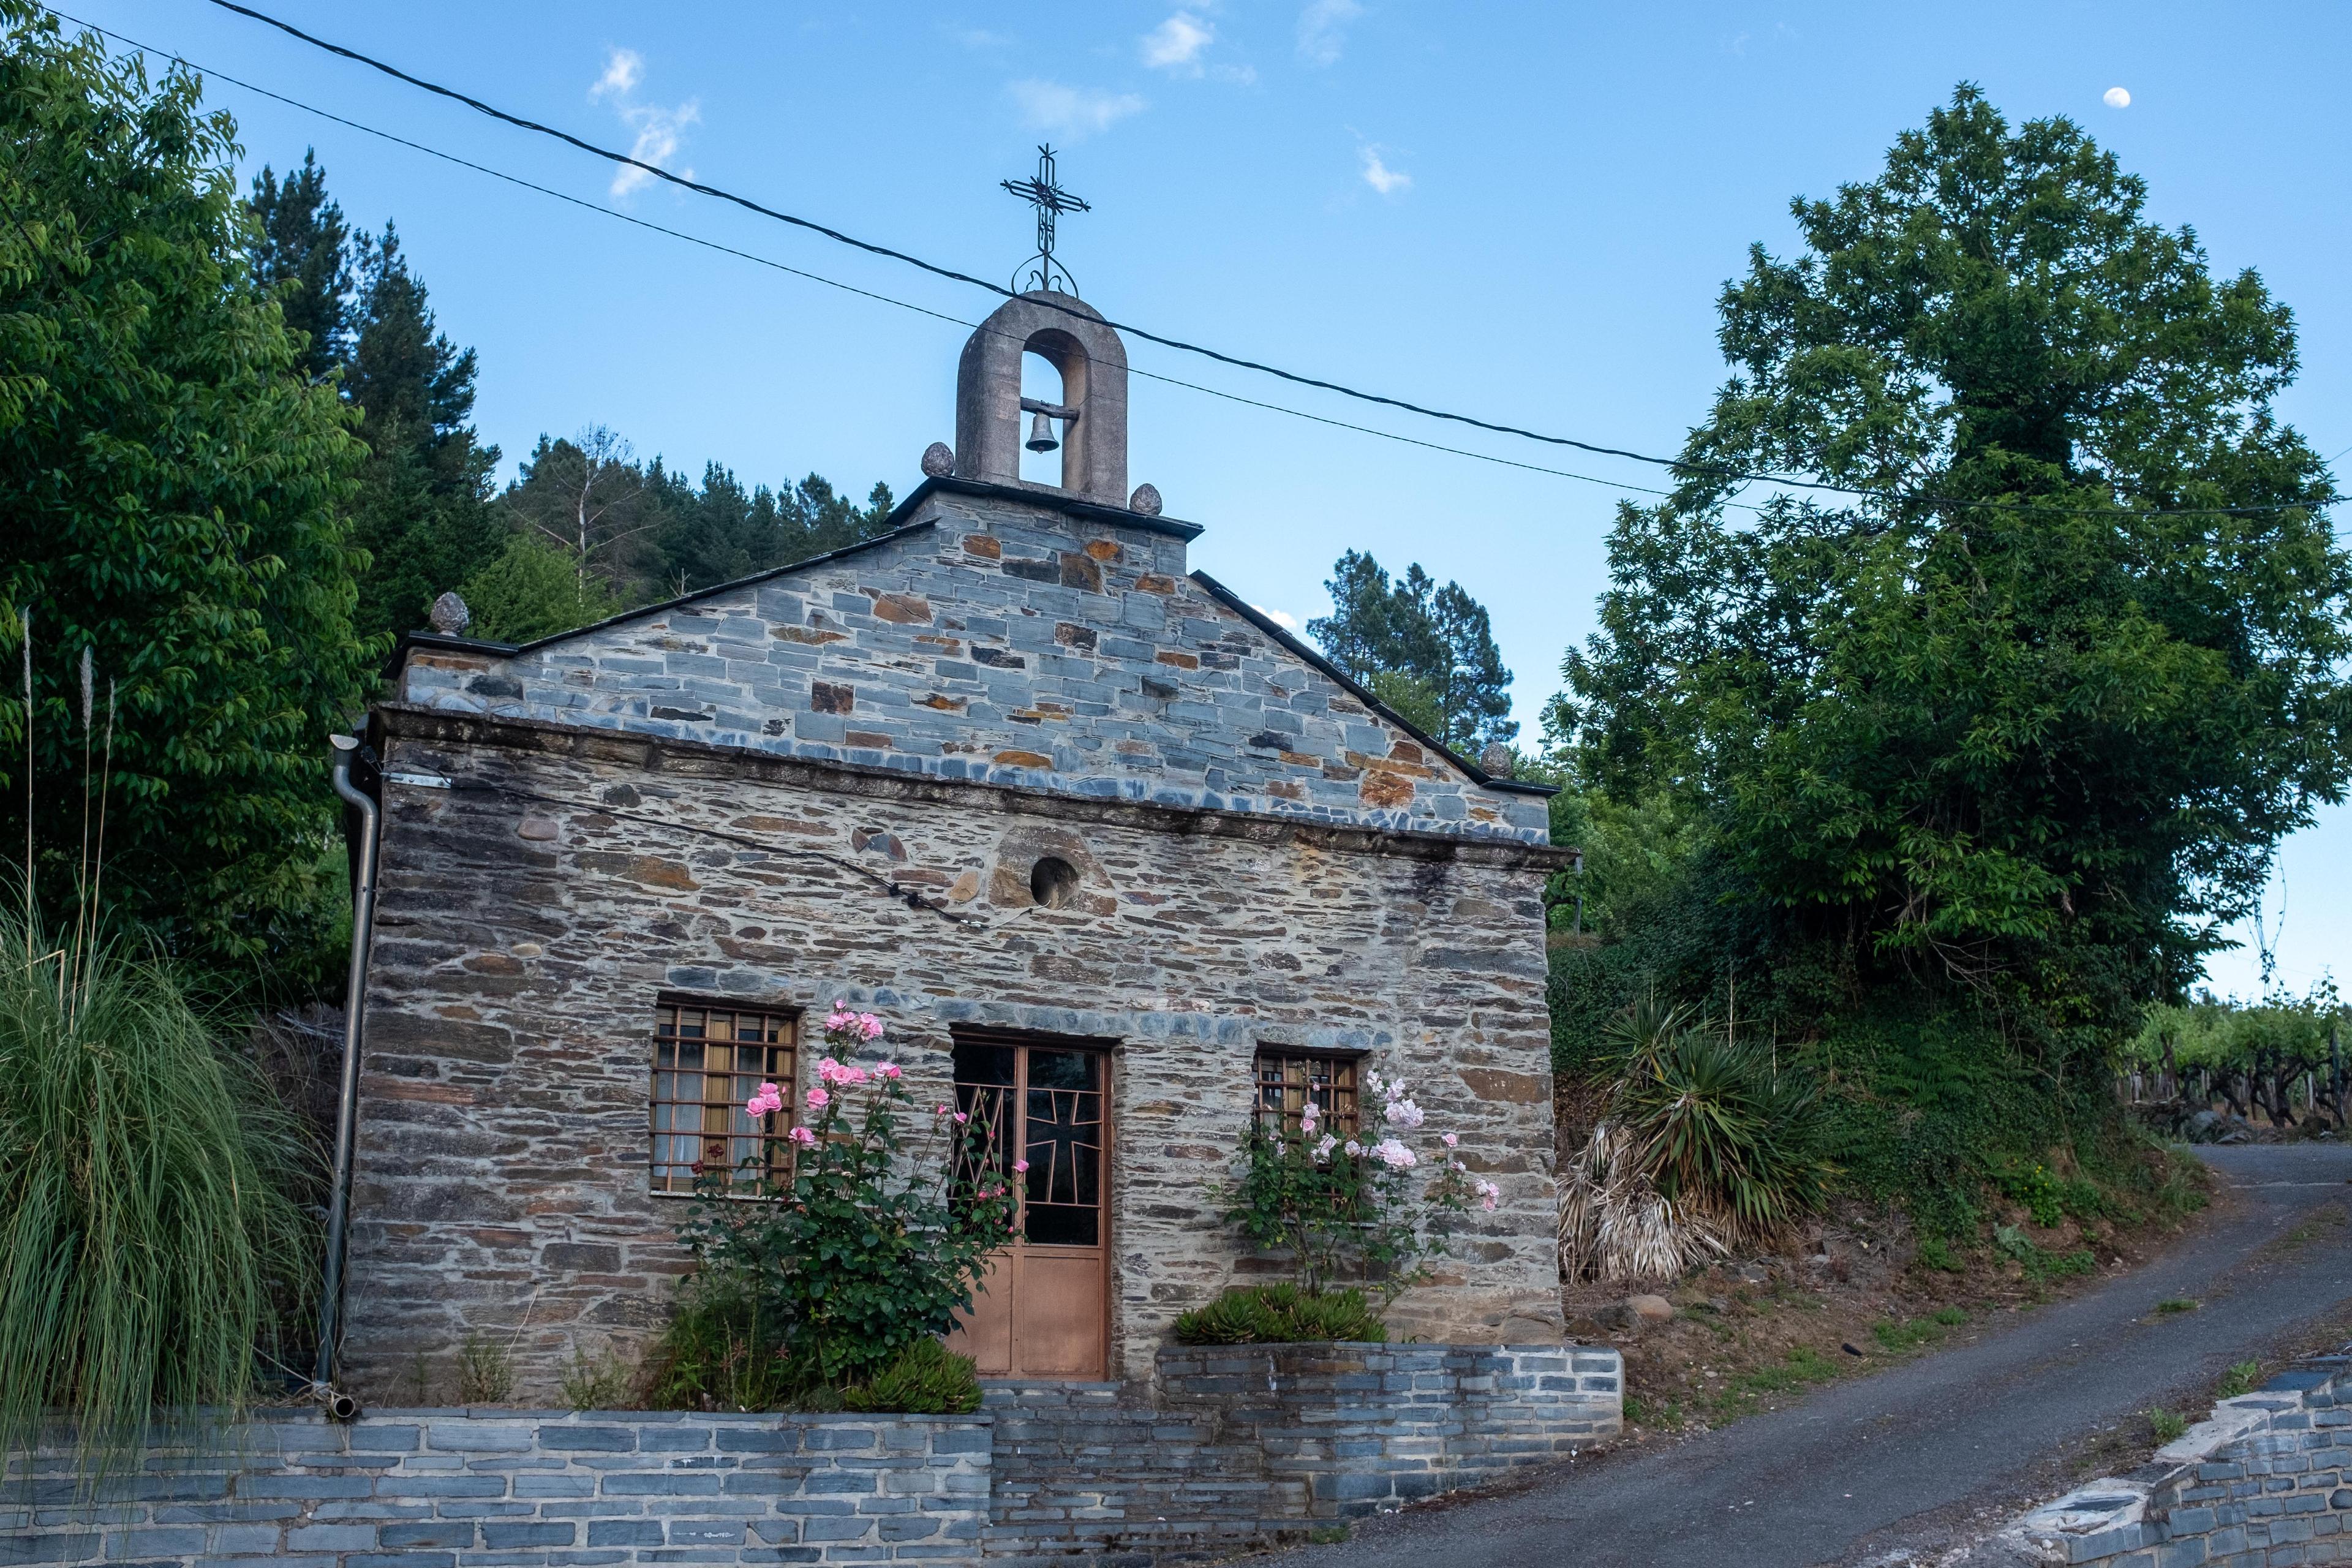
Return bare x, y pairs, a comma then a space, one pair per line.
1106, 1048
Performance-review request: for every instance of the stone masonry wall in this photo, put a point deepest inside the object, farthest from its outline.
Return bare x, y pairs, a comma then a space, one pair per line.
2264, 1482
1250, 1443
1242, 1447
501, 1181
998, 638
433, 1489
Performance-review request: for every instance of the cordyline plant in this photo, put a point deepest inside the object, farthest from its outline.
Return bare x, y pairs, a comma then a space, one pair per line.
1350, 1210
873, 1244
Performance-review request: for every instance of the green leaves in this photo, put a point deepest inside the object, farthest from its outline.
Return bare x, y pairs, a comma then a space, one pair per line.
825, 1280
1426, 651
171, 487
151, 1236
2032, 749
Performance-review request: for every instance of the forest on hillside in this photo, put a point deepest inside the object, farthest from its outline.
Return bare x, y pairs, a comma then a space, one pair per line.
586, 527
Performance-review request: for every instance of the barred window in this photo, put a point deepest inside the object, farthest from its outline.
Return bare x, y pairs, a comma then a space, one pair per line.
1287, 1080
707, 1061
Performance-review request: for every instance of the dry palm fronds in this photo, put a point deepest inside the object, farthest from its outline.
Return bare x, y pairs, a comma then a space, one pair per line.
1615, 1226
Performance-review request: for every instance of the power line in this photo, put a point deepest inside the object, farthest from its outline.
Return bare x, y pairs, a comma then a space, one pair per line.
1675, 464
614, 213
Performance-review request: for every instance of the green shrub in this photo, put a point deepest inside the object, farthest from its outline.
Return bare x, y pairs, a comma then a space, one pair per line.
927, 1379
597, 1384
2032, 1185
822, 1280
1950, 1317
1351, 1207
2039, 1265
1282, 1314
1719, 1123
153, 1228
2241, 1379
485, 1372
1935, 1252
2165, 1426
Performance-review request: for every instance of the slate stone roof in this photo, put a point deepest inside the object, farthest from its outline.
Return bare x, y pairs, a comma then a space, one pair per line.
1005, 633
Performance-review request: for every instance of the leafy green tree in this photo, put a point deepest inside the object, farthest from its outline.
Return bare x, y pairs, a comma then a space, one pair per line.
645, 532
1426, 651
424, 512
300, 250
2029, 722
531, 591
172, 486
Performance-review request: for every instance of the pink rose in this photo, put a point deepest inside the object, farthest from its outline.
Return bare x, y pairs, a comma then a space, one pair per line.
818, 1099
942, 1110
803, 1136
961, 1118
888, 1069
1020, 1165
1452, 1140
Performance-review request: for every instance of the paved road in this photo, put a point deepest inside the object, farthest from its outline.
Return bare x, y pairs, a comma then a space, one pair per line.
1870, 1464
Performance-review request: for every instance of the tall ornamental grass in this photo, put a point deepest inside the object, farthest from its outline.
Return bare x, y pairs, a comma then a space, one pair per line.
152, 1233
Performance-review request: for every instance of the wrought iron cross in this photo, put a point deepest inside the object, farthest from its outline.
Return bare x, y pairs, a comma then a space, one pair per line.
1050, 200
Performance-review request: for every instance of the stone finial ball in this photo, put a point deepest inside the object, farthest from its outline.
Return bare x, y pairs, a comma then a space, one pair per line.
1496, 761
939, 460
1146, 500
450, 617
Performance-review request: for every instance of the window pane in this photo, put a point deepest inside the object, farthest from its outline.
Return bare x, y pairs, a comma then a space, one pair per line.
706, 1064
1287, 1082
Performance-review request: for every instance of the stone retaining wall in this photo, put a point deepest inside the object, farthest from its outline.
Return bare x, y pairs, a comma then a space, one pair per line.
2266, 1479
433, 1489
1242, 1447
1253, 1442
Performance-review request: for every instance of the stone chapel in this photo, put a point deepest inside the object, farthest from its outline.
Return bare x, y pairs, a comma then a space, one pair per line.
1076, 821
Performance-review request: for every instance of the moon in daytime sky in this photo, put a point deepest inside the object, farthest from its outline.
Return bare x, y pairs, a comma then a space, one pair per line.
2117, 97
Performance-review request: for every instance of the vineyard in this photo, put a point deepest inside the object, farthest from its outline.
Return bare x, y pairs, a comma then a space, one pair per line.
2277, 1065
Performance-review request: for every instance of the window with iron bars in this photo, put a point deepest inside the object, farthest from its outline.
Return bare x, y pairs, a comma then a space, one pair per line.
707, 1061
1287, 1080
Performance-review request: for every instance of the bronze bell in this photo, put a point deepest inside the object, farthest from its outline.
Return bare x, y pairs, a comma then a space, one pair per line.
1041, 434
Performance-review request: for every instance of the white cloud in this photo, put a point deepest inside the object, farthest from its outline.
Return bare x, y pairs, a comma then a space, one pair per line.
1380, 177
623, 69
1281, 618
1323, 29
1072, 111
1176, 43
661, 133
2115, 98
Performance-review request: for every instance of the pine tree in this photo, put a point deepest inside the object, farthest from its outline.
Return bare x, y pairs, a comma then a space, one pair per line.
423, 513
1427, 651
298, 250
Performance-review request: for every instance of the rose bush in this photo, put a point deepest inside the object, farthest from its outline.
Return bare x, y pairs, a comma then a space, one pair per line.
1365, 1209
818, 1283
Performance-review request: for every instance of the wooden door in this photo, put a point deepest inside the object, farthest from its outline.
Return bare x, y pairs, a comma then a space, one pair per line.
1042, 1308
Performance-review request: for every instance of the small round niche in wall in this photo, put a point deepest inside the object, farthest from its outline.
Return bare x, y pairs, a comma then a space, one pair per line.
1054, 882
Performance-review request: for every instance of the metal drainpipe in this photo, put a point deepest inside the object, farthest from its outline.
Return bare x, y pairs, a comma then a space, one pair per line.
341, 1406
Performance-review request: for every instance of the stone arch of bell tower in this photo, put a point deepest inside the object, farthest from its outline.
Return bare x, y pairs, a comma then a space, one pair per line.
1065, 332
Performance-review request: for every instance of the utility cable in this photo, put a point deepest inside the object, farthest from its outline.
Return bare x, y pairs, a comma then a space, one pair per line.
602, 210
1675, 464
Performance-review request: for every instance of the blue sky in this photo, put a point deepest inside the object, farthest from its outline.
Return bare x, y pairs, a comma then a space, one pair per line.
1518, 211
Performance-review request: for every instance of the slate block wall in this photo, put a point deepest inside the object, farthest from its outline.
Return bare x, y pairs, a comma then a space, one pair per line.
998, 638
522, 939
1252, 1443
434, 1489
2267, 1482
